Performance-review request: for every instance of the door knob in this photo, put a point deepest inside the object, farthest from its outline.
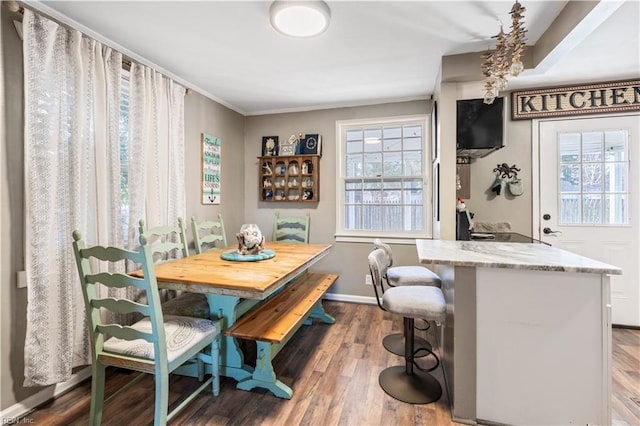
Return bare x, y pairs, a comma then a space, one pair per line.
549, 231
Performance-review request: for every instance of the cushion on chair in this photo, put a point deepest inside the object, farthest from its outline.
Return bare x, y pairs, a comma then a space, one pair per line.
181, 333
412, 275
415, 301
187, 304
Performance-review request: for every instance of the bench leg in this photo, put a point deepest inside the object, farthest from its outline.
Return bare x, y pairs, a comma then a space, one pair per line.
264, 376
319, 312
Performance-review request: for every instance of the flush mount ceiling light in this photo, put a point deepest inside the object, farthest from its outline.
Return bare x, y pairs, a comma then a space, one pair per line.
300, 18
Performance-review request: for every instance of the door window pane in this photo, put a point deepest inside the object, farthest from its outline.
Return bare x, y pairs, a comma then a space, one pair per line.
593, 178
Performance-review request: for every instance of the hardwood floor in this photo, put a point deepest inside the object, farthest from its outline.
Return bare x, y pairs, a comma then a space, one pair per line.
333, 370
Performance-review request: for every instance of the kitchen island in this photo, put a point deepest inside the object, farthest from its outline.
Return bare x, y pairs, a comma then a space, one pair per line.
527, 338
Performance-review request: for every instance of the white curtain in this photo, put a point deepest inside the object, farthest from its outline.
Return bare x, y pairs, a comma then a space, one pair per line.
74, 179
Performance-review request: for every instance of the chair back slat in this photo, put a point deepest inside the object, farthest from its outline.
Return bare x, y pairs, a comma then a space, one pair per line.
166, 242
291, 228
121, 306
125, 333
115, 280
208, 234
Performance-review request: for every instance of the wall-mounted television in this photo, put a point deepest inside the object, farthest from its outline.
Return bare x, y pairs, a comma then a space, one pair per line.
480, 127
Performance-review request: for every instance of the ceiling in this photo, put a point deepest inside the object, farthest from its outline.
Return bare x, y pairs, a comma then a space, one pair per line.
373, 51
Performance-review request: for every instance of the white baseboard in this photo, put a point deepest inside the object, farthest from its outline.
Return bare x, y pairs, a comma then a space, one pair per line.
365, 300
23, 407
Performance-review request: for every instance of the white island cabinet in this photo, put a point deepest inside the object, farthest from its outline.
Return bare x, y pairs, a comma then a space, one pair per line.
527, 339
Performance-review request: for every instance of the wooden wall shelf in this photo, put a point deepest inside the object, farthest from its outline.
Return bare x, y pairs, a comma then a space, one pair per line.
291, 178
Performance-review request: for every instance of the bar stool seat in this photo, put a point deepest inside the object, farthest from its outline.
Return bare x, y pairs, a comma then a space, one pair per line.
412, 275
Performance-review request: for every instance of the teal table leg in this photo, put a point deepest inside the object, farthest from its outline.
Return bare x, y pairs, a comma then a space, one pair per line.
263, 376
319, 312
231, 357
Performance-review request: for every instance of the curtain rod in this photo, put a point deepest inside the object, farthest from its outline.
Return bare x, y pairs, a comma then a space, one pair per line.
15, 7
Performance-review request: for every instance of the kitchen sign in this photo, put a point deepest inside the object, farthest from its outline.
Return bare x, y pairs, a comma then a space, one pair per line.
600, 98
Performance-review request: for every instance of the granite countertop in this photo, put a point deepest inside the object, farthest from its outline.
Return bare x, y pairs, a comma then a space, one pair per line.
490, 254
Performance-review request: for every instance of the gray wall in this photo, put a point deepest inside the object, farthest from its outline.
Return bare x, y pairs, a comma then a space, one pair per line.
346, 259
505, 207
205, 116
13, 301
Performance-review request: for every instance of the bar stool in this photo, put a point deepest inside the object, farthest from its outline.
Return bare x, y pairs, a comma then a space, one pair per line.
409, 382
399, 276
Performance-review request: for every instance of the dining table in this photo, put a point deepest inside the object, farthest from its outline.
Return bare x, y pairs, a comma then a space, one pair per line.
233, 287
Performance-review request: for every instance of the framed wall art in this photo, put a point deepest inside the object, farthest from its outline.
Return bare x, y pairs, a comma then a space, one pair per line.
269, 146
211, 159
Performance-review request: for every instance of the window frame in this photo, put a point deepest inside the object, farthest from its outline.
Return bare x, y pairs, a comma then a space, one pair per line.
344, 235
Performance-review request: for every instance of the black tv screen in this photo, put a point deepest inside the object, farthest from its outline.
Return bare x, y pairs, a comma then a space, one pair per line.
480, 125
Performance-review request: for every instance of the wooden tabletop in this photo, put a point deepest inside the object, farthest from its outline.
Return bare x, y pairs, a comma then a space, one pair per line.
209, 273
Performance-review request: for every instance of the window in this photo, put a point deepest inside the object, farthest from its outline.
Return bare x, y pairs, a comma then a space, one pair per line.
124, 155
594, 174
382, 180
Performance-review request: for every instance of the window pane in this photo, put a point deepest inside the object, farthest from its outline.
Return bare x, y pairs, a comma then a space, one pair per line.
392, 192
372, 217
354, 165
373, 165
412, 131
392, 164
569, 178
592, 146
592, 209
354, 146
353, 217
416, 221
353, 192
372, 139
570, 208
615, 210
392, 218
592, 177
392, 139
372, 193
412, 163
354, 135
615, 177
413, 191
615, 145
569, 145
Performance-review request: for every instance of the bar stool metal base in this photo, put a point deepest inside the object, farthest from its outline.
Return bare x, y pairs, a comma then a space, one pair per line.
416, 388
394, 343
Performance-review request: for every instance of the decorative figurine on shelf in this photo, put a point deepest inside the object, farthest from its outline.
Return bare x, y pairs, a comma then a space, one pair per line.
250, 239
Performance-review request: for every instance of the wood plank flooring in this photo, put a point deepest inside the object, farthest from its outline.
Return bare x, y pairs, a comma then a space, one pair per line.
333, 370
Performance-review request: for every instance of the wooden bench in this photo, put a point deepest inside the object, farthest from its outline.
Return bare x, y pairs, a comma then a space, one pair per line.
275, 321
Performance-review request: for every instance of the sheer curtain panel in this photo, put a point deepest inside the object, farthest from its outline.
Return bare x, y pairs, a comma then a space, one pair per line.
75, 134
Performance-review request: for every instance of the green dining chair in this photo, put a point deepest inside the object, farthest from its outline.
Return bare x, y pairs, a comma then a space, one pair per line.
291, 228
208, 234
157, 344
167, 242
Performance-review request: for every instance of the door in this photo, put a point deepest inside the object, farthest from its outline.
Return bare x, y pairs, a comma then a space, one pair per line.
588, 198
